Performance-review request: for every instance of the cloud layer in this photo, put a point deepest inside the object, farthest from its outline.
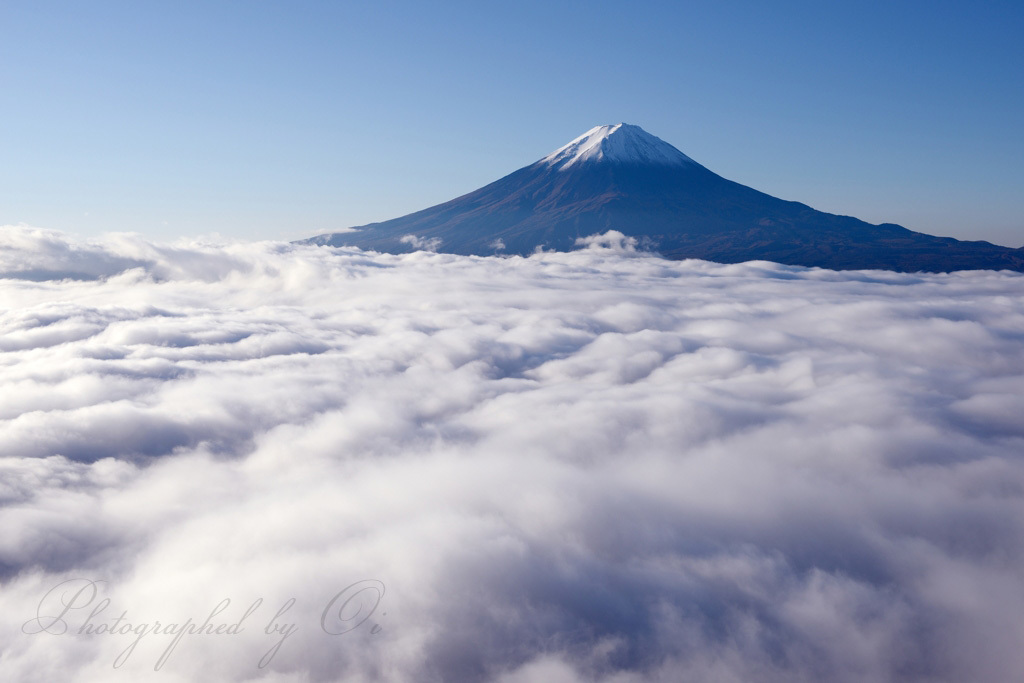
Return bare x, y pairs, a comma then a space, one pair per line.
595, 466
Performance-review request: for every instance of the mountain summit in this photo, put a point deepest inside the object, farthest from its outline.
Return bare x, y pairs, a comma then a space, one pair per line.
621, 144
620, 177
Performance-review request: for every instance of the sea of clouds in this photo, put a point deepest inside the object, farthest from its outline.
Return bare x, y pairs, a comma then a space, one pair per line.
593, 466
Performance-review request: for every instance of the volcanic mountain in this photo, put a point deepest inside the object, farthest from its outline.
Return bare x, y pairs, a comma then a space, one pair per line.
622, 178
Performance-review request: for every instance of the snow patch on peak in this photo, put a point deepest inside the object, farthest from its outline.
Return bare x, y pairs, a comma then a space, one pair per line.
620, 143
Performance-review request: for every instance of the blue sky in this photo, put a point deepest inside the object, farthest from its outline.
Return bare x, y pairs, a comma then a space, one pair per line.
285, 119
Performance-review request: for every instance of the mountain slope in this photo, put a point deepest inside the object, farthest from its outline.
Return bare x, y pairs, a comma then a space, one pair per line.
622, 178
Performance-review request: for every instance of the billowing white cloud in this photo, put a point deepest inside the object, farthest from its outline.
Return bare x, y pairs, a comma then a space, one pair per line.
612, 240
568, 467
421, 243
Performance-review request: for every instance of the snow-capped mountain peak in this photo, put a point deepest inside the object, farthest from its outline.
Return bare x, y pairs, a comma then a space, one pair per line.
621, 143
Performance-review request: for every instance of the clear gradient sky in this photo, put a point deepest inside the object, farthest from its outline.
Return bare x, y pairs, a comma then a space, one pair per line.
286, 119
